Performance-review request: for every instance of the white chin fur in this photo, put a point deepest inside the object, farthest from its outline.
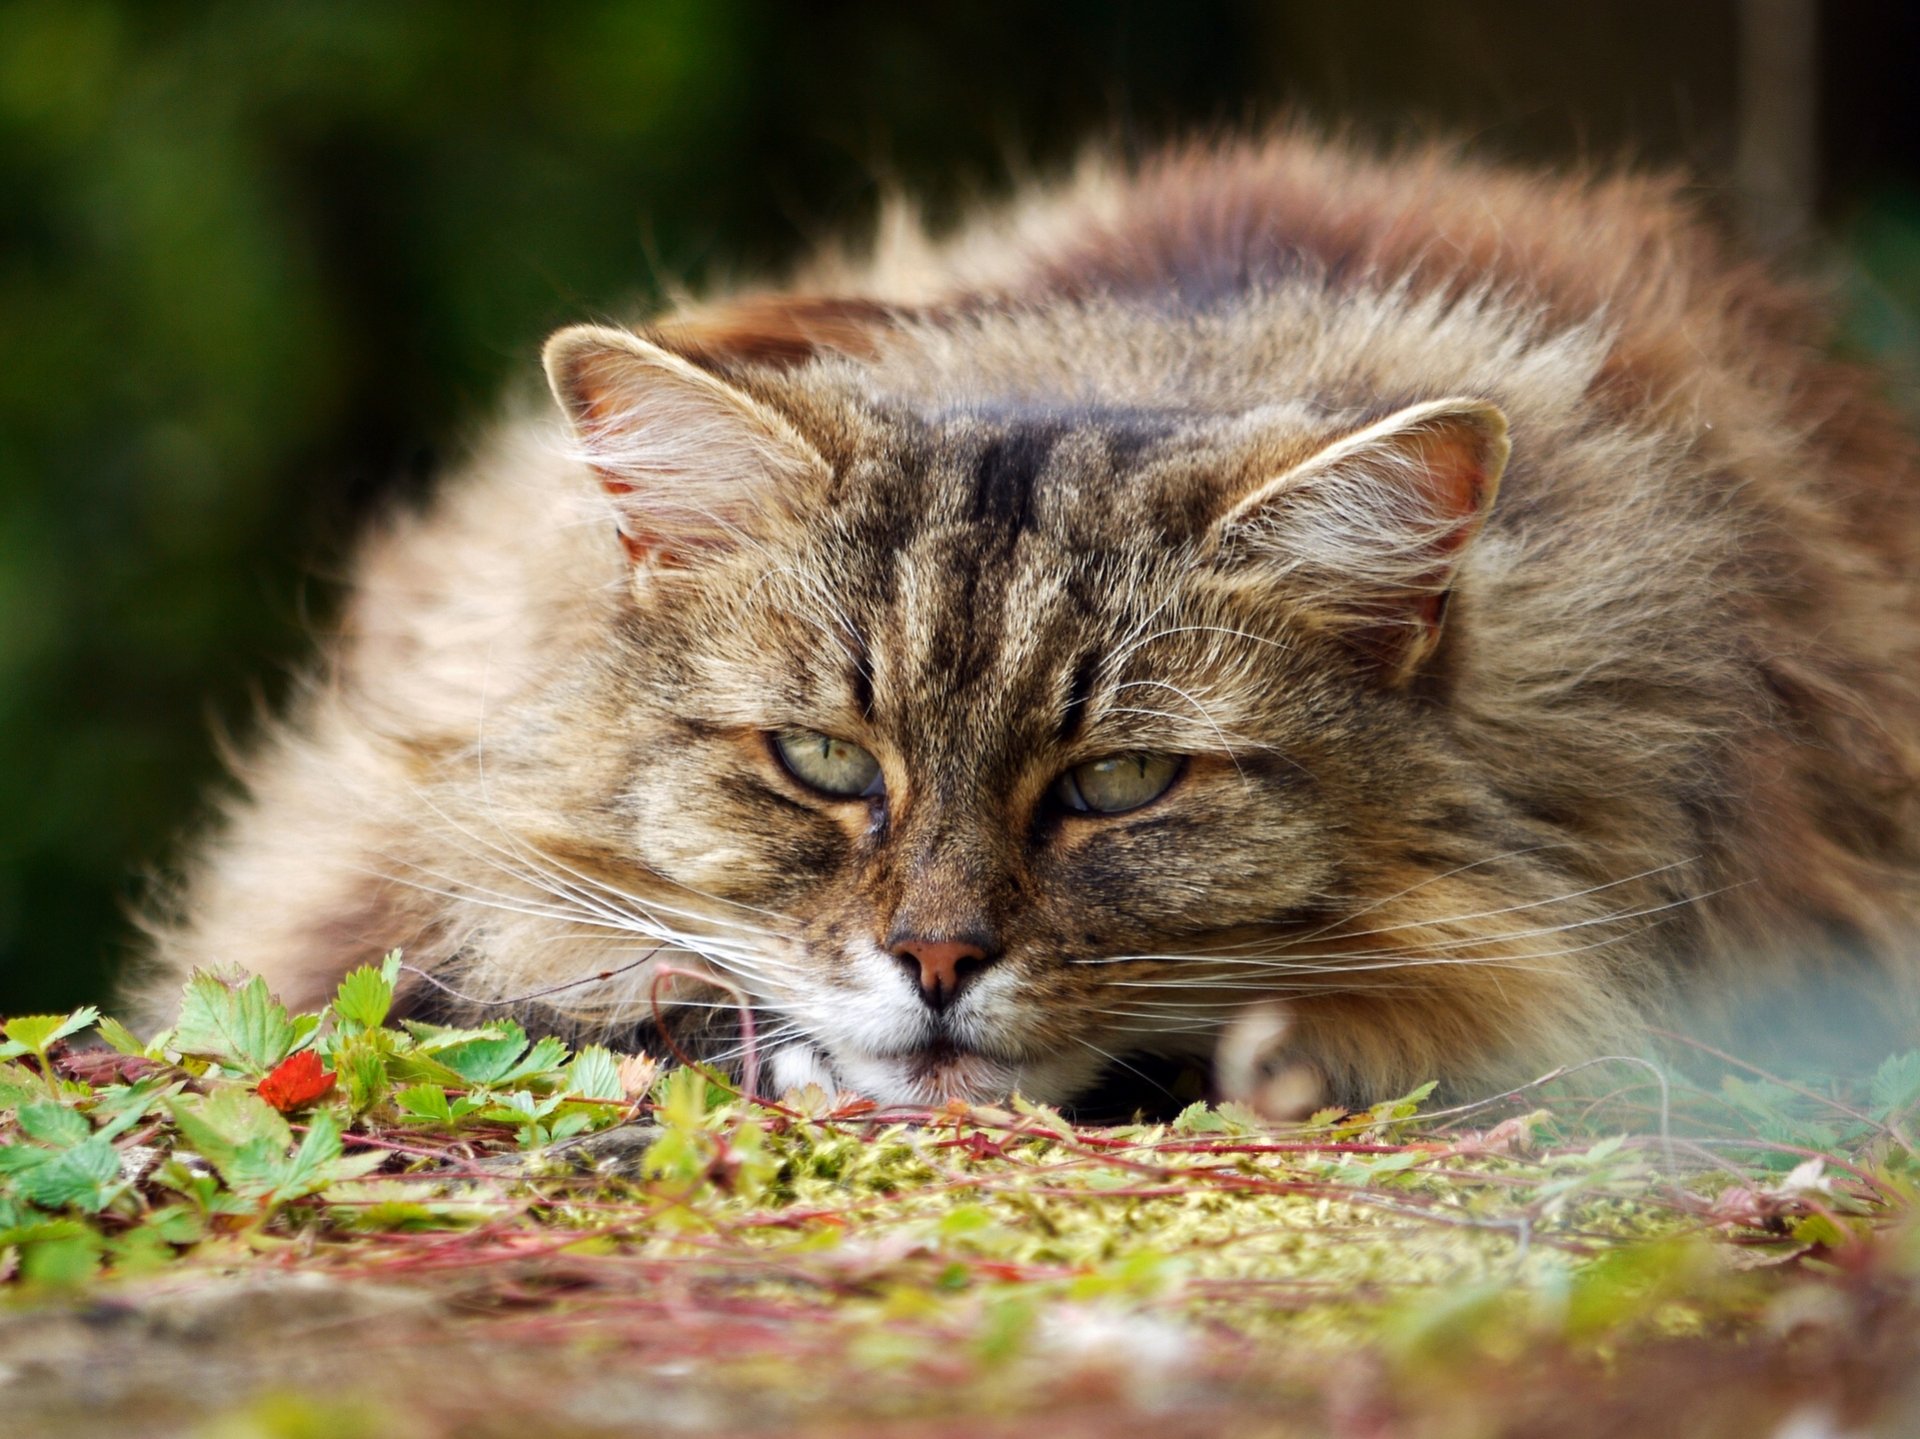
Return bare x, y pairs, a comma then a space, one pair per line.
972, 1079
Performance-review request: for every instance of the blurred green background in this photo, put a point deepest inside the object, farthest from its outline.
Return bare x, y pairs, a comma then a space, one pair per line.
265, 265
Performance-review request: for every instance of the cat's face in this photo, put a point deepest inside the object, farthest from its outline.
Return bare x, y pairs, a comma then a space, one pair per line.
1002, 738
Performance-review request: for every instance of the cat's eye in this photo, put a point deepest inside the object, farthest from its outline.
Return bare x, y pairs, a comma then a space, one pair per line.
1117, 783
837, 767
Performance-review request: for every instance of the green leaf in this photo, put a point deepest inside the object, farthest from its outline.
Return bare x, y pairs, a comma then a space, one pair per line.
1197, 1118
120, 1038
366, 994
310, 1168
53, 1123
18, 1084
34, 1032
223, 1124
364, 1073
1896, 1084
485, 1058
246, 1028
425, 1101
83, 1177
1047, 1118
60, 1252
574, 1121
542, 1063
594, 1074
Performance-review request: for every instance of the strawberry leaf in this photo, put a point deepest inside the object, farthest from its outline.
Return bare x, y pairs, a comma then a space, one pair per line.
245, 1027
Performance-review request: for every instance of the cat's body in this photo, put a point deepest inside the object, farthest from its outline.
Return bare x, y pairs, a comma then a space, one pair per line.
1187, 467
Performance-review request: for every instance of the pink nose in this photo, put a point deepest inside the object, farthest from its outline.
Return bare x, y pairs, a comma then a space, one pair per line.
943, 966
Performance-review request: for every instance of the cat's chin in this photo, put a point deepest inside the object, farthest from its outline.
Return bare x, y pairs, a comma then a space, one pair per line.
926, 1077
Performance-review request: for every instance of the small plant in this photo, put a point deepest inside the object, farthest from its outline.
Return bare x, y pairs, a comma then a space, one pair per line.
1579, 1224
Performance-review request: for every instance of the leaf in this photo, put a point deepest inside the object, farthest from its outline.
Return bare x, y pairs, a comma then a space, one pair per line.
82, 1177
425, 1101
246, 1027
122, 1039
1046, 1118
543, 1061
32, 1033
224, 1123
365, 1073
53, 1123
1241, 1118
296, 1081
310, 1167
638, 1071
366, 994
595, 1074
485, 1058
1896, 1084
124, 1108
1197, 1118
61, 1252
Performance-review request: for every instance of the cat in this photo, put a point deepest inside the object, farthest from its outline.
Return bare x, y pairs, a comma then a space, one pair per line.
1461, 609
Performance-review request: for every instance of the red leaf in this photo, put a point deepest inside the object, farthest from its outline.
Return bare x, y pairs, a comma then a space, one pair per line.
297, 1080
103, 1066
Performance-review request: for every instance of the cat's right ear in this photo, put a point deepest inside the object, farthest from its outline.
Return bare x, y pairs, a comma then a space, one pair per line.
692, 463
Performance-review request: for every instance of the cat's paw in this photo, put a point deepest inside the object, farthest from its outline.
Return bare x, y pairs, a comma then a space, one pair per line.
795, 1066
1254, 1066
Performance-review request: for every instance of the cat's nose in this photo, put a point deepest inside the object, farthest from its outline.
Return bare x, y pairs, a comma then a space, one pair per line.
943, 966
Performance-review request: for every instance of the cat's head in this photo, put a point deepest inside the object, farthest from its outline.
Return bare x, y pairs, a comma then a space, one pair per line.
1006, 743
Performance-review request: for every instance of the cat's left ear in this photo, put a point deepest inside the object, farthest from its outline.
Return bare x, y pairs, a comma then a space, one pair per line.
1372, 528
692, 463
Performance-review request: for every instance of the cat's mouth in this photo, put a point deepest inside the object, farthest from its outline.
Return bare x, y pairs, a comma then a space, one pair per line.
932, 1059
938, 1071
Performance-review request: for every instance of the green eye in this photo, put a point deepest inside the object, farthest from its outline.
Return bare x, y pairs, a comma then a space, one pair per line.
1117, 783
832, 766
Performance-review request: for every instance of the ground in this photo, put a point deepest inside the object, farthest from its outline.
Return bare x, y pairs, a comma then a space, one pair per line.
266, 1226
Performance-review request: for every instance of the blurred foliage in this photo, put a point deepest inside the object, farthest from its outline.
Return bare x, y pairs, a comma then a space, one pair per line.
259, 264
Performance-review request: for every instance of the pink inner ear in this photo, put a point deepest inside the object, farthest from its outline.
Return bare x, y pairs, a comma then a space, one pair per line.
1453, 468
690, 461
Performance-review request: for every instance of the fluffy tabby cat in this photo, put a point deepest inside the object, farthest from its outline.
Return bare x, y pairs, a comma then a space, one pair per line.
1460, 606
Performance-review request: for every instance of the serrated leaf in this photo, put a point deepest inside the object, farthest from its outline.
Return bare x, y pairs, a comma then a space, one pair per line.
36, 1031
122, 1108
1046, 1117
246, 1027
82, 1177
543, 1061
479, 1057
18, 1083
1198, 1118
417, 1068
1240, 1117
595, 1074
60, 1252
53, 1123
573, 1122
366, 995
1896, 1083
364, 1073
425, 1101
222, 1125
120, 1038
310, 1167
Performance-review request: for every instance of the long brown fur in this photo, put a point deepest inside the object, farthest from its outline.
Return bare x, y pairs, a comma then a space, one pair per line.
1478, 792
